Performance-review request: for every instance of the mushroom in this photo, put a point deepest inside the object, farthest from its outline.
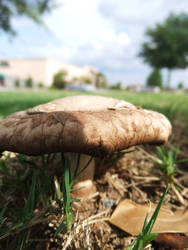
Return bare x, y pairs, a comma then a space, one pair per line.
89, 125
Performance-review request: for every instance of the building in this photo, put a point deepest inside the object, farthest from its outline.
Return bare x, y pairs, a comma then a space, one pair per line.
42, 70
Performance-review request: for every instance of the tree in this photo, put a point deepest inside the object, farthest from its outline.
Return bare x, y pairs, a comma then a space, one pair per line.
12, 8
59, 81
167, 45
155, 79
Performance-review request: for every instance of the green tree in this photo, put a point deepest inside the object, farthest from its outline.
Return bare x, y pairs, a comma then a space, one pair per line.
59, 81
167, 45
155, 79
13, 8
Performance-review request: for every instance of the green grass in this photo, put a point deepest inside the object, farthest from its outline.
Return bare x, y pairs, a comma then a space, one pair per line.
26, 186
167, 103
19, 100
145, 237
35, 186
64, 196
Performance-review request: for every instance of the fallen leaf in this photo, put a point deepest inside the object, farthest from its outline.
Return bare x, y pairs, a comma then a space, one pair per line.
129, 216
172, 240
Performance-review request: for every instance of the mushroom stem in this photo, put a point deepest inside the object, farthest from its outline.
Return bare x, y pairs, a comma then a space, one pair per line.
78, 162
82, 168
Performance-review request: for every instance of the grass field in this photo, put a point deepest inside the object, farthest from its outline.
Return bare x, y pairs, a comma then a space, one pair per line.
32, 192
167, 103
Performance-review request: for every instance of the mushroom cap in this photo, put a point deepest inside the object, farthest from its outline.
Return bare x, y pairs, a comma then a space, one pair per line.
92, 125
80, 103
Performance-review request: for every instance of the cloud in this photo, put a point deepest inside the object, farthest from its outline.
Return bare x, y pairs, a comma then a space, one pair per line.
77, 22
123, 38
90, 36
104, 33
112, 55
110, 35
140, 12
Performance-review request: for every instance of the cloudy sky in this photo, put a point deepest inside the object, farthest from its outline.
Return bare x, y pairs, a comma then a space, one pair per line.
106, 34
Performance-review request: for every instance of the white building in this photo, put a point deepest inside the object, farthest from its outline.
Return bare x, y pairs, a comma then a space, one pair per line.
42, 70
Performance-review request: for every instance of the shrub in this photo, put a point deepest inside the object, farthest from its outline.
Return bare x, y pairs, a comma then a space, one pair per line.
117, 86
59, 81
86, 80
180, 85
29, 82
40, 84
17, 83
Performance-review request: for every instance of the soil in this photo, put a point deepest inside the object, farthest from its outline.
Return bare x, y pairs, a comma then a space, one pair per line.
132, 174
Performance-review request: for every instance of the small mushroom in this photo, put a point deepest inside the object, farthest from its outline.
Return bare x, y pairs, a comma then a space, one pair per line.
89, 125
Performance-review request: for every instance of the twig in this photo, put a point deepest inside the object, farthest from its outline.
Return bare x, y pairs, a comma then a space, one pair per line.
77, 227
176, 192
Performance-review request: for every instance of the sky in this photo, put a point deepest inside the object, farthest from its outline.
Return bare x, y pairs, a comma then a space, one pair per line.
106, 34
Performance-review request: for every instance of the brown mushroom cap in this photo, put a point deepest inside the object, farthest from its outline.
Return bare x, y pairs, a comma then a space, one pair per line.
80, 103
90, 129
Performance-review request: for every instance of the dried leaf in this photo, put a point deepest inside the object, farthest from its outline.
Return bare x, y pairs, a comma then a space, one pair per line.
173, 240
129, 216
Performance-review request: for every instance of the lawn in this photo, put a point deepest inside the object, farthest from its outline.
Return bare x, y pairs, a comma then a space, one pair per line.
167, 103
34, 196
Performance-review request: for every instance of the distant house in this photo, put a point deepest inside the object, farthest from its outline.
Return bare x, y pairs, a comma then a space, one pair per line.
41, 70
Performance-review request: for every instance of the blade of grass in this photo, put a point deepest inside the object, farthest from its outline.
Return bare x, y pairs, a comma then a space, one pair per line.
145, 237
66, 192
77, 166
2, 214
152, 220
66, 189
76, 173
60, 228
31, 202
81, 171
